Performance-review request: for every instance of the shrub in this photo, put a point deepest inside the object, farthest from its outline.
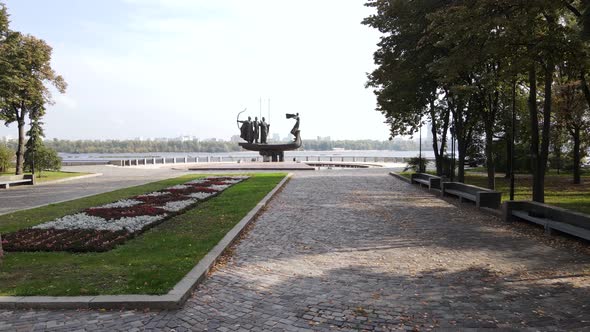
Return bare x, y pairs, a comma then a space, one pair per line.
6, 158
414, 164
46, 159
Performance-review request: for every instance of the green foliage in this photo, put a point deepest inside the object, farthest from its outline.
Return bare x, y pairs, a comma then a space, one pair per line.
45, 159
466, 57
416, 164
25, 74
6, 158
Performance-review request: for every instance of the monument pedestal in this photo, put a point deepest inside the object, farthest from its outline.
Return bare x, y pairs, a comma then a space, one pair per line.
273, 152
272, 155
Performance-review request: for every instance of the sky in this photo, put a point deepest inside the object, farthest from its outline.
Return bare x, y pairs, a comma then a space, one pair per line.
166, 68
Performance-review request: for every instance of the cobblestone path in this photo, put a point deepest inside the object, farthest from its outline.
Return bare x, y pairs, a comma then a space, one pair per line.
359, 250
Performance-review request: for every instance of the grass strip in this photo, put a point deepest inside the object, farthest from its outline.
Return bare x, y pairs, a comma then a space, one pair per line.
559, 189
149, 264
47, 176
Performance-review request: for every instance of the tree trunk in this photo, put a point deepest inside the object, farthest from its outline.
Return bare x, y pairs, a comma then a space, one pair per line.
577, 156
539, 190
584, 85
20, 152
462, 149
490, 121
509, 165
443, 138
434, 129
439, 150
490, 159
534, 118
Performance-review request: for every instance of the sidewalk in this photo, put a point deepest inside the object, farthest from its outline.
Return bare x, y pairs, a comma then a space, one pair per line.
360, 250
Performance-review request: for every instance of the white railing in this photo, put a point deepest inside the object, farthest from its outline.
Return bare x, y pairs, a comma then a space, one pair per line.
242, 159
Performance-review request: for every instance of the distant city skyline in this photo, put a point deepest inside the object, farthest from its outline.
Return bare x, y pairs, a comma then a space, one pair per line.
157, 68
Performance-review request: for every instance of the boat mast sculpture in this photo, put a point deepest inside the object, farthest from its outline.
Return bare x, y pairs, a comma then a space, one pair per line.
251, 130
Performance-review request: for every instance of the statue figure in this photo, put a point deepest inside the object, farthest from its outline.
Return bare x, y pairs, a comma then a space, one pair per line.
256, 129
263, 131
295, 130
246, 131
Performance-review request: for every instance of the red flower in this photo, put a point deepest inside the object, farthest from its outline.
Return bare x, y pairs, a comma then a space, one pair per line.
161, 200
132, 211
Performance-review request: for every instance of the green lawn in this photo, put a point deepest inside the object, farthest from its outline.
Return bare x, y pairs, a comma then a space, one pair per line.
559, 189
49, 175
149, 264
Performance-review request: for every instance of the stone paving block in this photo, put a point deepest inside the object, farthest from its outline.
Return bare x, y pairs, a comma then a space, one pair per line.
353, 250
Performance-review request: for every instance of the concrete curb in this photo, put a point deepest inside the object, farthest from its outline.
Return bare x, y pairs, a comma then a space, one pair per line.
403, 178
93, 175
173, 300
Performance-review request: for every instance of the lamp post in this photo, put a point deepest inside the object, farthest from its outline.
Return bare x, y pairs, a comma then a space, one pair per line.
420, 170
32, 151
452, 154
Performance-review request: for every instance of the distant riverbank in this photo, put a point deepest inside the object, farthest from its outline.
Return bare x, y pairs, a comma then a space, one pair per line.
80, 157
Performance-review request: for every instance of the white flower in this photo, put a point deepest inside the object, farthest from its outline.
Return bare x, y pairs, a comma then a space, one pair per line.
179, 186
156, 194
198, 181
85, 221
121, 204
219, 187
200, 195
178, 205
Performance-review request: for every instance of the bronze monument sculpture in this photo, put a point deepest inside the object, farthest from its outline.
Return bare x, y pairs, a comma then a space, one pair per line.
253, 131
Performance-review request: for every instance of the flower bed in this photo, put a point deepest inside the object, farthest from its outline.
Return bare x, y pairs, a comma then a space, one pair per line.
104, 227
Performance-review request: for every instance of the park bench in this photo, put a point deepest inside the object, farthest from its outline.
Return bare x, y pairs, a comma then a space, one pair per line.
6, 181
481, 196
431, 181
550, 217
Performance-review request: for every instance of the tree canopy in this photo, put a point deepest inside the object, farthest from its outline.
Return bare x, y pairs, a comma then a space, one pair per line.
467, 64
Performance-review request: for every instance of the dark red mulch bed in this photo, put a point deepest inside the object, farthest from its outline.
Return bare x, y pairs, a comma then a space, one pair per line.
192, 190
160, 200
63, 240
210, 183
132, 211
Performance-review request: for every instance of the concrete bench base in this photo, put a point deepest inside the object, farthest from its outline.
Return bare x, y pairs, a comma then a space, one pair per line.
550, 217
431, 181
462, 195
481, 196
6, 181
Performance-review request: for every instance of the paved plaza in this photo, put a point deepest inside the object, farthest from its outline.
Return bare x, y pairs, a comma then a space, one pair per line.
360, 250
113, 178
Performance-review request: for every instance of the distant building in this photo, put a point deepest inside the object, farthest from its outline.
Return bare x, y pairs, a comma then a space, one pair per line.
276, 137
236, 138
6, 139
326, 138
186, 138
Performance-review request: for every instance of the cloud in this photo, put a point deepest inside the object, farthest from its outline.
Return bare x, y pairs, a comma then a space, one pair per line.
65, 102
161, 67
